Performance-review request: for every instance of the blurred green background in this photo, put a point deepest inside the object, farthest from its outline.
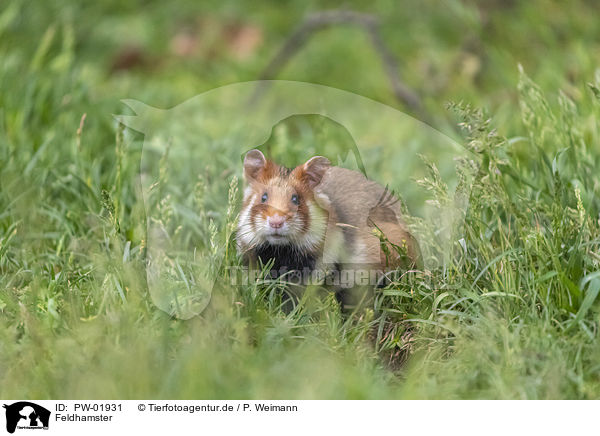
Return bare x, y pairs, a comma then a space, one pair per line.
512, 315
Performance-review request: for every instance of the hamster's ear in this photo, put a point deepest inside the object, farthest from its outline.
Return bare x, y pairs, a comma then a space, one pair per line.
314, 170
254, 162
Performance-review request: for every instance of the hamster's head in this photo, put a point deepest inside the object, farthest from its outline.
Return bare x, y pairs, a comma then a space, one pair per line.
279, 203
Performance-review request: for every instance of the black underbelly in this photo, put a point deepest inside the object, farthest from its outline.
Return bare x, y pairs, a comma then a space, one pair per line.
287, 259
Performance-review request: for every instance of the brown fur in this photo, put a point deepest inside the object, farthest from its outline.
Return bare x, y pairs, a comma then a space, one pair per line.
354, 213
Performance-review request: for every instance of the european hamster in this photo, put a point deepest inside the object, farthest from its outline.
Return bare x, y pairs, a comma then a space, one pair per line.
321, 219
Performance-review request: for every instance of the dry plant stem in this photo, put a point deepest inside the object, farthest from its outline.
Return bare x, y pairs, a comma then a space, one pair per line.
369, 24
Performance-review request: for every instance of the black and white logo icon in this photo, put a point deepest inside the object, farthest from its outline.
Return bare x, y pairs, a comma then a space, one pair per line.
26, 415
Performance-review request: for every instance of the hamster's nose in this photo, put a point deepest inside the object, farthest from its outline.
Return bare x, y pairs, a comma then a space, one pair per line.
276, 221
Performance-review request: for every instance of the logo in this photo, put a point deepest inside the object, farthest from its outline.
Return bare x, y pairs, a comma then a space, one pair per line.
26, 415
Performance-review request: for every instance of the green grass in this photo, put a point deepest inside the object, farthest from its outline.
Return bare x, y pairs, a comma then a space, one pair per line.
513, 312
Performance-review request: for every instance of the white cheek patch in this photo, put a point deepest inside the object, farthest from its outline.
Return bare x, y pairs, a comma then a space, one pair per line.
314, 237
245, 235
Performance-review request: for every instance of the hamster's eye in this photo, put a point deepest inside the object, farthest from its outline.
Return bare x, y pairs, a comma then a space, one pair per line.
295, 199
264, 197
